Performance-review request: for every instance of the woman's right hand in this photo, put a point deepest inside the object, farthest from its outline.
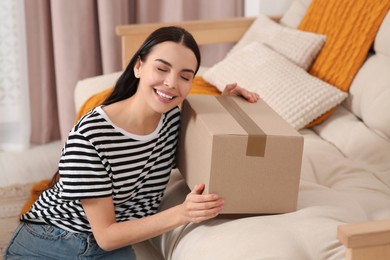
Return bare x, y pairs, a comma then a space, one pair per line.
198, 207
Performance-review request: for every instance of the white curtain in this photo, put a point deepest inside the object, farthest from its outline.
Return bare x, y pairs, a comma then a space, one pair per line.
14, 98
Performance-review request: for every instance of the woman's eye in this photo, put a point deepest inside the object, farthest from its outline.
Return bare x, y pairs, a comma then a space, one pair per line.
186, 76
162, 69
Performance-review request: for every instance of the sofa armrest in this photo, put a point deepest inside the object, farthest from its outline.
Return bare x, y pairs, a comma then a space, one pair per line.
88, 87
367, 240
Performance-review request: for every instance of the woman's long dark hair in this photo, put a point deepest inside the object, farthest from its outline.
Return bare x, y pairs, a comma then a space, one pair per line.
127, 84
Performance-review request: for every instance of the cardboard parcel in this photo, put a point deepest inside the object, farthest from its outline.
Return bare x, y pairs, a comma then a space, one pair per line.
244, 152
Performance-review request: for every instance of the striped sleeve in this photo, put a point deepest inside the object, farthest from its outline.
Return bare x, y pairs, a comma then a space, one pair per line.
82, 172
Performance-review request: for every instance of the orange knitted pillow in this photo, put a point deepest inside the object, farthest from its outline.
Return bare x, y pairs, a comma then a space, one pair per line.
202, 87
350, 27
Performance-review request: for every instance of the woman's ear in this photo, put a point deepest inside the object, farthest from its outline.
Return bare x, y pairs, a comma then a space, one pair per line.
137, 68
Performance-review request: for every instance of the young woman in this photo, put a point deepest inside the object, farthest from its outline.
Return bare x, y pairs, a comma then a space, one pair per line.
116, 163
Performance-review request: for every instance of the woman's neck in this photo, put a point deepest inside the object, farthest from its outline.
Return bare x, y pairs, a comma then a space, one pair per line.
133, 116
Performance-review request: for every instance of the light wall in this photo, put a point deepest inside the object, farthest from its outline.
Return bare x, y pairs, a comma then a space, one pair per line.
266, 7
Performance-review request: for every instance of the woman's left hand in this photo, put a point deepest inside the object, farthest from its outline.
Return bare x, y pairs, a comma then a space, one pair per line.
234, 90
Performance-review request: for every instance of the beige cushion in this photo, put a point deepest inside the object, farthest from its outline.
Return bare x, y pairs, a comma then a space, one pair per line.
298, 46
297, 10
370, 90
293, 93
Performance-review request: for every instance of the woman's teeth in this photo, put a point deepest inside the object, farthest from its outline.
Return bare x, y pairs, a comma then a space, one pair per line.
163, 95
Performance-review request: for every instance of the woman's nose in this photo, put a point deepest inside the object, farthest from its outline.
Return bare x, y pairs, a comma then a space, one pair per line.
170, 82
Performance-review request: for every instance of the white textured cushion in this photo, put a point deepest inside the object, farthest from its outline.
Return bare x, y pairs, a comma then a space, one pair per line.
293, 93
298, 46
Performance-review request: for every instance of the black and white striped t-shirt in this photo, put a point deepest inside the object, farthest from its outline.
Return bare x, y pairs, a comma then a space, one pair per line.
101, 160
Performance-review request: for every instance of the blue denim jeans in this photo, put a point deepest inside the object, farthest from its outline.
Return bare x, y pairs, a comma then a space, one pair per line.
32, 241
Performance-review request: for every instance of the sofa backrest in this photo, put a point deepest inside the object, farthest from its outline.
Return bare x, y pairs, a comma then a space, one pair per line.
369, 93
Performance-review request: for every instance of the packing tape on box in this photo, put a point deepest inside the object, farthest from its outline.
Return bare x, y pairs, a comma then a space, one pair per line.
257, 139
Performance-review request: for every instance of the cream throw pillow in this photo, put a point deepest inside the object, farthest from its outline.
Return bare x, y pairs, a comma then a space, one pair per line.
293, 93
298, 46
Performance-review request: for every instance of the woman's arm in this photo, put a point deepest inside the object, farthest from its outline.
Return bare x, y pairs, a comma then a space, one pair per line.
110, 234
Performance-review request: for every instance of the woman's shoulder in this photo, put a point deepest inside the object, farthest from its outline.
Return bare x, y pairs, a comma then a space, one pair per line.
91, 117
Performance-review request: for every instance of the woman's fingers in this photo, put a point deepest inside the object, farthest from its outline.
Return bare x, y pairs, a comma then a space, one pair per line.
234, 90
230, 89
199, 216
198, 189
202, 211
200, 207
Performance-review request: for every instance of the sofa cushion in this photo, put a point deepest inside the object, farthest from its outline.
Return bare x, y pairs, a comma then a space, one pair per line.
370, 90
292, 18
298, 46
382, 39
293, 93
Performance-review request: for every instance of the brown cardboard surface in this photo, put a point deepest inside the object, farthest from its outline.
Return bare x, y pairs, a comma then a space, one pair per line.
213, 149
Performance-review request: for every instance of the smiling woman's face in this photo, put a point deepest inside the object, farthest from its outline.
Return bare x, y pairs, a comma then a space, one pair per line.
166, 75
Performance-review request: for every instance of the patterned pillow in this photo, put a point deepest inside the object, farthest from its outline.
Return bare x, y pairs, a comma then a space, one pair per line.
298, 46
293, 93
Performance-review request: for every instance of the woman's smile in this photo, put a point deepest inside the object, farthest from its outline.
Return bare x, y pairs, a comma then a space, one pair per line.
164, 96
